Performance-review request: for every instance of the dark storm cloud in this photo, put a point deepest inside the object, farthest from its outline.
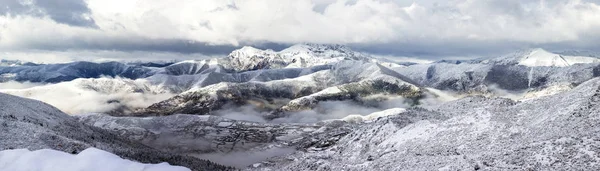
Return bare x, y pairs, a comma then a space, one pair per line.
141, 44
151, 45
470, 49
438, 50
71, 12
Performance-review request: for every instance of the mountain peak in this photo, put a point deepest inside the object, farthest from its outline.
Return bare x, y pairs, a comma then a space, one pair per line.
539, 57
317, 48
296, 56
251, 52
540, 51
323, 51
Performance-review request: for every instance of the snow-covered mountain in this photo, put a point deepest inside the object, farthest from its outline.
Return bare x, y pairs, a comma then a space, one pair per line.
312, 107
556, 132
297, 56
341, 82
299, 77
326, 65
541, 58
548, 133
526, 71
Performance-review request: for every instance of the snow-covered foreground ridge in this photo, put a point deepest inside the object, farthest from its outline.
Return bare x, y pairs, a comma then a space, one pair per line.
33, 125
91, 159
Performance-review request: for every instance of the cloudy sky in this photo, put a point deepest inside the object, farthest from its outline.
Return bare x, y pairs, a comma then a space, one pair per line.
55, 30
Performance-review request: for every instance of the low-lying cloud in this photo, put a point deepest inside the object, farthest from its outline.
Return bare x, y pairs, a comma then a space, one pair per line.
355, 111
15, 85
76, 97
329, 110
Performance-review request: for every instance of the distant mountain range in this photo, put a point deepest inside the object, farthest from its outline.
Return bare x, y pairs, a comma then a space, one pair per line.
315, 107
303, 74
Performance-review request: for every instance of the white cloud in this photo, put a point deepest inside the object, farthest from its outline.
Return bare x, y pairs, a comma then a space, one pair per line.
94, 95
131, 23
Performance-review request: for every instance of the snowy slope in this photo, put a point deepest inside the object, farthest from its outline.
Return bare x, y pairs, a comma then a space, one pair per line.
207, 137
541, 58
353, 118
474, 132
193, 67
33, 125
223, 140
556, 132
90, 159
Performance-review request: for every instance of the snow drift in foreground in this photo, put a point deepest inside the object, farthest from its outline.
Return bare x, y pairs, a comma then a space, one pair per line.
91, 159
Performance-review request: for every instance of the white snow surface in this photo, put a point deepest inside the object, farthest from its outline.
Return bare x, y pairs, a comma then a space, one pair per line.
91, 159
373, 116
